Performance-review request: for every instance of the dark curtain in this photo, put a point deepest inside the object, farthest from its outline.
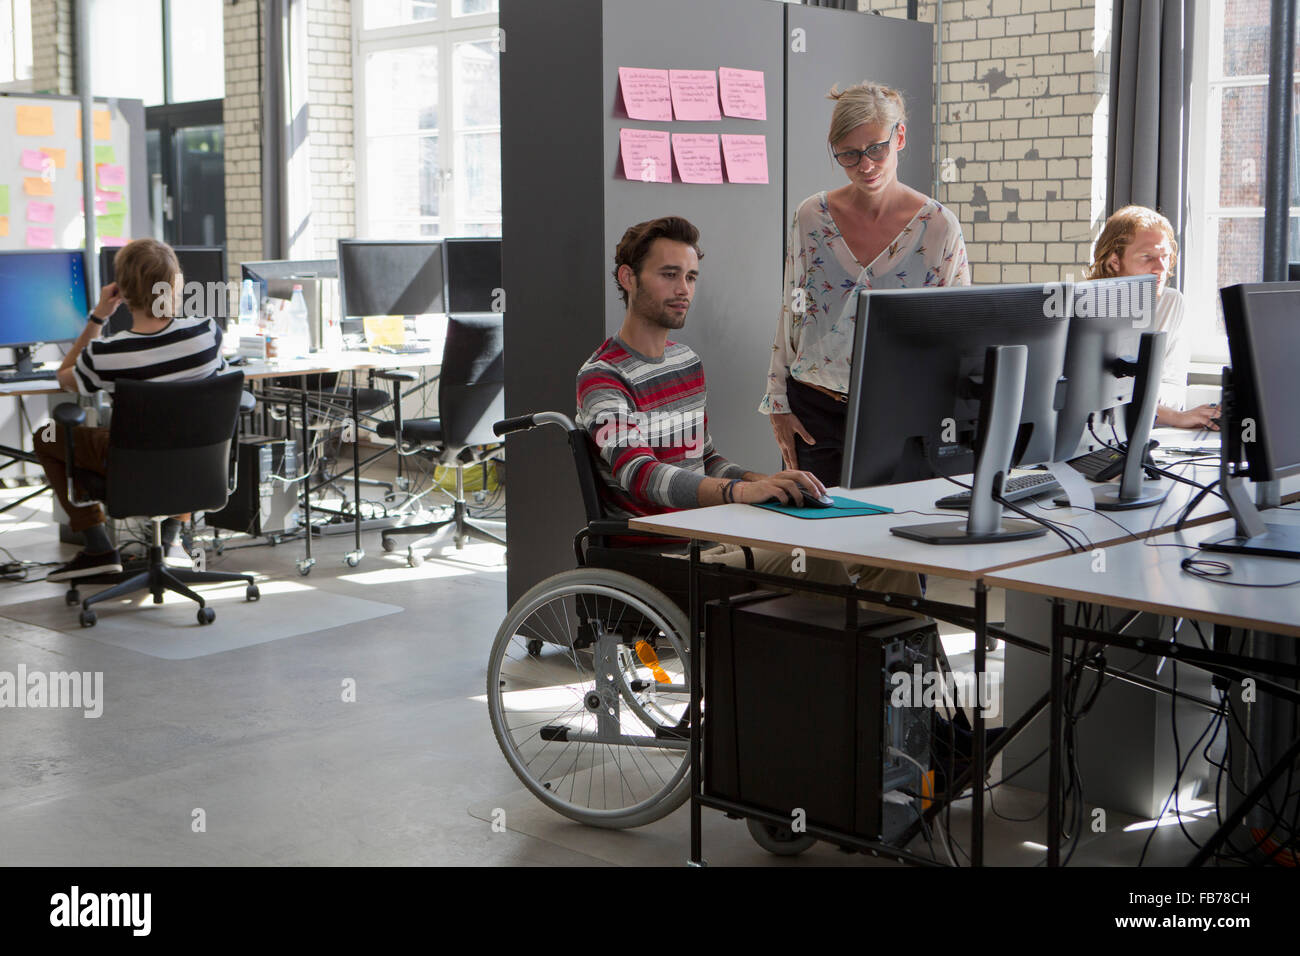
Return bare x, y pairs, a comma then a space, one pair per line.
1150, 96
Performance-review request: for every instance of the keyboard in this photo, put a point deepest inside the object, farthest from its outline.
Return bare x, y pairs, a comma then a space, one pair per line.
1013, 489
400, 349
40, 375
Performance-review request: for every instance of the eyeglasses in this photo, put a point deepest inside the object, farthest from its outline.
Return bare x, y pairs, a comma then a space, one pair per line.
876, 152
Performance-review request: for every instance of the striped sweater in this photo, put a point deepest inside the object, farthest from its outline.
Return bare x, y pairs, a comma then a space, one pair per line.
647, 416
185, 350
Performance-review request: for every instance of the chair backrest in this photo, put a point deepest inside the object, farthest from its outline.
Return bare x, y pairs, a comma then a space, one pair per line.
471, 384
169, 445
584, 460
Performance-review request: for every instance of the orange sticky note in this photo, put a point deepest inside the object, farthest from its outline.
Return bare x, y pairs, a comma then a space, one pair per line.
35, 186
100, 122
60, 156
4, 225
35, 121
79, 170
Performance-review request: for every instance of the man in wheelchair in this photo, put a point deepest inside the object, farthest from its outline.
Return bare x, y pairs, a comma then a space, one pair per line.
642, 398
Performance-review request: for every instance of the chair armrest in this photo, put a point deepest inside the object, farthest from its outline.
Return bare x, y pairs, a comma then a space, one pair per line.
247, 401
396, 375
69, 415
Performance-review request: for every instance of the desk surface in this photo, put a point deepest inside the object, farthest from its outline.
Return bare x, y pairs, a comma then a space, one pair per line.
867, 540
1147, 576
317, 363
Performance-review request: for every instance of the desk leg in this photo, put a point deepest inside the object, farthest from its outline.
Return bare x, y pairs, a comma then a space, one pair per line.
697, 694
978, 759
1055, 698
304, 465
355, 557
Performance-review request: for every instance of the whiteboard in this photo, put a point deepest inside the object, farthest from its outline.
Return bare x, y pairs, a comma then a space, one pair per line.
40, 172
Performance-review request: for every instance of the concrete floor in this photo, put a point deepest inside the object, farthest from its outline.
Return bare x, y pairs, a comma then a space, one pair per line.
252, 756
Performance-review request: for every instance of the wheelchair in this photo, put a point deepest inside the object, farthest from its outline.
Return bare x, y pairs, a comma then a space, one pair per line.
588, 681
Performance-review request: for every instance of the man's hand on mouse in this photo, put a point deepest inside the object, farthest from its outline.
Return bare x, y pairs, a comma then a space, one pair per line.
786, 487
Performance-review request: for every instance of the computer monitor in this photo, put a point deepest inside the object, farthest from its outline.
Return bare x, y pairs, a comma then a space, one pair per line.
472, 269
289, 269
1113, 360
44, 300
390, 277
950, 380
204, 265
1260, 399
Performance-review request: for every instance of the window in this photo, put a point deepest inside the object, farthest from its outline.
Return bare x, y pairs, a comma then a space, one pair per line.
15, 44
1225, 240
428, 118
175, 52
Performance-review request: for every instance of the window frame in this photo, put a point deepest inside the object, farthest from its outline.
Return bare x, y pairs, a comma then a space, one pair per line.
16, 83
441, 33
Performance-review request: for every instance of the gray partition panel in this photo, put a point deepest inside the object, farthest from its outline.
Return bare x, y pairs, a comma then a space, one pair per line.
738, 296
844, 50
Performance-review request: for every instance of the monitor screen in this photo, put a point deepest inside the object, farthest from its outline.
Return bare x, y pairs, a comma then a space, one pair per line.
390, 277
44, 297
473, 271
290, 269
1263, 325
918, 364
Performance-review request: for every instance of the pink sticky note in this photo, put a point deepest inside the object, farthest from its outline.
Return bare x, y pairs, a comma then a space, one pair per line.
695, 94
645, 94
40, 211
646, 155
698, 159
746, 157
112, 240
111, 175
106, 195
38, 237
743, 93
34, 159
101, 204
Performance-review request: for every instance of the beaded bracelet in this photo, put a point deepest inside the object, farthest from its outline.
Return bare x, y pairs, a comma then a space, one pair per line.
729, 492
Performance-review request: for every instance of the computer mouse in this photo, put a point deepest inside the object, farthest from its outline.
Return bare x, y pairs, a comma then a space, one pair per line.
823, 501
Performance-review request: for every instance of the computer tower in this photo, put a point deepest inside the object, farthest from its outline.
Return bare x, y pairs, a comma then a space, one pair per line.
265, 501
799, 711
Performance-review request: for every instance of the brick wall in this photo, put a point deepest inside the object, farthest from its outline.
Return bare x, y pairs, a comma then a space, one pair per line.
1023, 111
243, 128
52, 47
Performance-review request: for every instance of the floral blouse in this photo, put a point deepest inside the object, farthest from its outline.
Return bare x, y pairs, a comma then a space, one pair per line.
814, 337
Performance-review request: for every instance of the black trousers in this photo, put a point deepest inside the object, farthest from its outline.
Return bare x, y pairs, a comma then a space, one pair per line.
824, 419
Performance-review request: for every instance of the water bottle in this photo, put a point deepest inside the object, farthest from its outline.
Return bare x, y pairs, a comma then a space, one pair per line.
247, 303
297, 331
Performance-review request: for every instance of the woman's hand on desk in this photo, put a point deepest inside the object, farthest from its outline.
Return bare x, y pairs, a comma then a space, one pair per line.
786, 427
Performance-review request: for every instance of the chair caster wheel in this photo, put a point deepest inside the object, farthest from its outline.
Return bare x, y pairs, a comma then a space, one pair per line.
778, 840
305, 566
251, 593
73, 597
88, 618
352, 558
207, 615
534, 647
389, 545
414, 558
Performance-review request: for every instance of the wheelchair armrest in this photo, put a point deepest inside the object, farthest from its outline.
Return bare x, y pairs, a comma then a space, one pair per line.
610, 526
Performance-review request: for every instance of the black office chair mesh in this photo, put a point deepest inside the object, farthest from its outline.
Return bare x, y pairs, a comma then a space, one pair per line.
471, 396
172, 450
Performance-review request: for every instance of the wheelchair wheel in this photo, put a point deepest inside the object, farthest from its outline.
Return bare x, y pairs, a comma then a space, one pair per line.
590, 724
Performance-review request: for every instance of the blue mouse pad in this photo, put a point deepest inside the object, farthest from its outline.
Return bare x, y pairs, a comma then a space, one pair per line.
844, 508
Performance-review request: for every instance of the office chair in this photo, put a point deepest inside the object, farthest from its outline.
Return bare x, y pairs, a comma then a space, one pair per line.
471, 396
172, 450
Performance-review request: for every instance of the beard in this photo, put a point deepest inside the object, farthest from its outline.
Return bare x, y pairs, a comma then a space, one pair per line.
657, 312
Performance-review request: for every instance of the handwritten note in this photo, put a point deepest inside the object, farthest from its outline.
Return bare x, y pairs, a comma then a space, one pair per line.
695, 94
36, 186
698, 158
58, 156
40, 211
647, 156
38, 237
743, 93
646, 94
34, 159
111, 175
34, 121
746, 157
100, 122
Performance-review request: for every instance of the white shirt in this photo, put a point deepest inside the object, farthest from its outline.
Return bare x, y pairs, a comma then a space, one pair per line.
1178, 352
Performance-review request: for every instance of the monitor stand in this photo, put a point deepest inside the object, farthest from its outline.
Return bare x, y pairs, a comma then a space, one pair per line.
23, 360
1253, 535
1004, 378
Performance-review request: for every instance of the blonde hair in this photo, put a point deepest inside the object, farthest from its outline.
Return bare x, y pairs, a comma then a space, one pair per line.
1119, 231
864, 102
139, 268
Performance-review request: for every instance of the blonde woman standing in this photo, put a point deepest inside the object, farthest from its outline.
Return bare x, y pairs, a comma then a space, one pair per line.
873, 232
